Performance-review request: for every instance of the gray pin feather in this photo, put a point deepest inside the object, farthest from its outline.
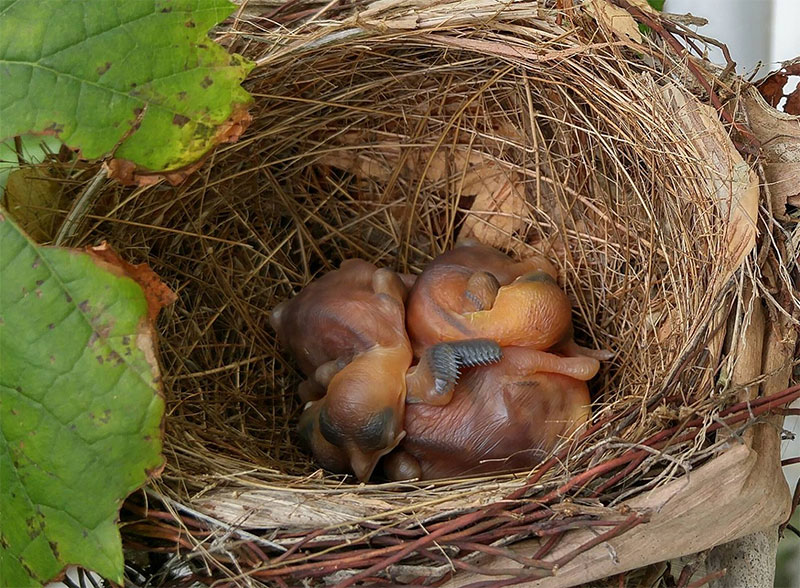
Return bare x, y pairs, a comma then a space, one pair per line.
447, 359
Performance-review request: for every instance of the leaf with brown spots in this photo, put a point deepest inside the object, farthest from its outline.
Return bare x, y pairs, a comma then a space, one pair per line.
81, 411
142, 81
126, 172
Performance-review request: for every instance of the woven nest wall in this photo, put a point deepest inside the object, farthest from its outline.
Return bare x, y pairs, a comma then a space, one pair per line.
389, 135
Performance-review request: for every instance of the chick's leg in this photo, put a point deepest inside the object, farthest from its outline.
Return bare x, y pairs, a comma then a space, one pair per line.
529, 361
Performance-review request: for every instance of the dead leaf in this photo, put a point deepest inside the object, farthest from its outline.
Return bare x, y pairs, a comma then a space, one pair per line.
772, 88
644, 6
33, 198
792, 105
126, 173
361, 165
499, 209
779, 135
156, 292
616, 19
235, 126
729, 179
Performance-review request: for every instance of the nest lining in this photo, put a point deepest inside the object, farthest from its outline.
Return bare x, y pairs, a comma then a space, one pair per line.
383, 145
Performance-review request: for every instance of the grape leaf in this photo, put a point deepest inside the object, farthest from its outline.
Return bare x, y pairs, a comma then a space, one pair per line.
81, 410
140, 78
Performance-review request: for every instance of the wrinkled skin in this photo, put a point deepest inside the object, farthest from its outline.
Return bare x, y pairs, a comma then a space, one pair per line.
503, 413
347, 331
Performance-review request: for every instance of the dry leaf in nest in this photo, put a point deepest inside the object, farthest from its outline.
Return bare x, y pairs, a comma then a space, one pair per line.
498, 210
616, 19
730, 181
772, 88
779, 134
33, 198
364, 156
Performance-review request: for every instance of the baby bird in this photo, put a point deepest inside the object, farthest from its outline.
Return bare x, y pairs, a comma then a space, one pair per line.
326, 426
475, 291
347, 331
501, 417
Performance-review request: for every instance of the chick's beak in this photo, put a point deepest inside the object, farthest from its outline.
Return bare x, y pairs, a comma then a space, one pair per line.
364, 462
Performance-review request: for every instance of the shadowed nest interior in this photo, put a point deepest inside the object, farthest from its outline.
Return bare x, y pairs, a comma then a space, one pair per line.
385, 139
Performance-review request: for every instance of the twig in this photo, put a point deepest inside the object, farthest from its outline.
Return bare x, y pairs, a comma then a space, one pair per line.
70, 225
214, 522
18, 150
709, 578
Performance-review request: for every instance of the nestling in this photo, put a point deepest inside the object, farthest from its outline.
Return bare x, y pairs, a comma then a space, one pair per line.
501, 417
347, 331
475, 291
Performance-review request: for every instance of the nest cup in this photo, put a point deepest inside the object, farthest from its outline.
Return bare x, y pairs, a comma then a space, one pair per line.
381, 138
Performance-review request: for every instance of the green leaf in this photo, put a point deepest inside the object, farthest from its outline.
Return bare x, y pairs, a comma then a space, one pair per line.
655, 5
142, 74
81, 410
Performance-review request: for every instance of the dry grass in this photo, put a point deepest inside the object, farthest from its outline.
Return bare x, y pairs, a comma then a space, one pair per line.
616, 188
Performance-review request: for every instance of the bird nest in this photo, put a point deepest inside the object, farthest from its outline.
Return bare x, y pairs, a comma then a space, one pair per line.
389, 131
